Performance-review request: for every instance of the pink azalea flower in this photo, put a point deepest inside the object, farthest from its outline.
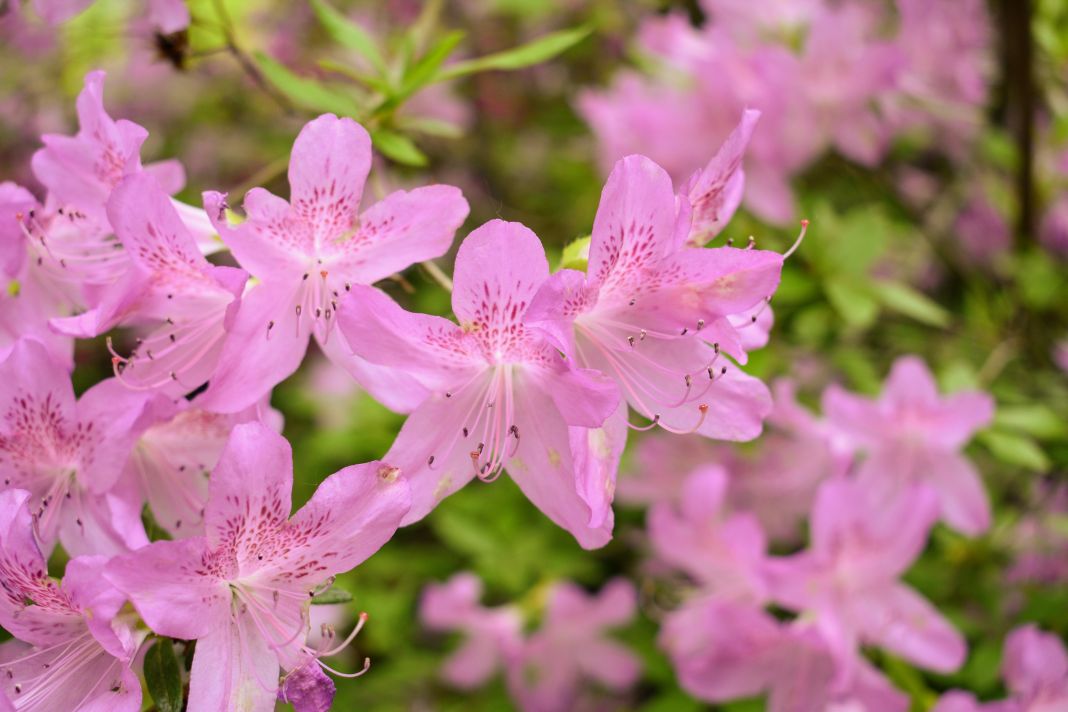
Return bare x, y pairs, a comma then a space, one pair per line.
307, 253
724, 553
949, 65
503, 397
848, 577
655, 317
69, 454
1053, 231
572, 646
1035, 668
723, 650
775, 482
243, 589
170, 284
166, 16
73, 649
912, 435
81, 170
172, 459
28, 299
491, 635
715, 191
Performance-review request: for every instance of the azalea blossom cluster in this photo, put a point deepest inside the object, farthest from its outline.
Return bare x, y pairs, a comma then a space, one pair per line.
536, 376
872, 477
827, 75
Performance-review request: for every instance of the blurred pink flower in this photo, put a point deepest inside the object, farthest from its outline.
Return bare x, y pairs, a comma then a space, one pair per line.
1035, 668
492, 636
912, 435
725, 553
982, 231
847, 580
572, 645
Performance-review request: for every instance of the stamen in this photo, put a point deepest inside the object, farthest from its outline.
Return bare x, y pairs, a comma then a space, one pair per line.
797, 242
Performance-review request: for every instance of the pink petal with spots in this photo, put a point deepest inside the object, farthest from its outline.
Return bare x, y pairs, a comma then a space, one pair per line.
633, 228
432, 349
176, 586
499, 268
271, 243
544, 467
404, 228
351, 515
250, 493
716, 190
327, 170
265, 345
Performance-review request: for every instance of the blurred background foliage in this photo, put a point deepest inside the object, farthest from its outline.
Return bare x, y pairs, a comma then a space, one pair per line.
876, 278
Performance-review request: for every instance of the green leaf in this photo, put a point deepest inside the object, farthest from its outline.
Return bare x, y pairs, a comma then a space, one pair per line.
422, 72
854, 303
576, 254
369, 80
1015, 449
331, 595
1036, 420
398, 147
306, 93
540, 50
163, 676
429, 126
349, 34
900, 297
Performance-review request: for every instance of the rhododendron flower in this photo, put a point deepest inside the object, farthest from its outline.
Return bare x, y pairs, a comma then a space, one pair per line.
72, 650
80, 171
307, 253
170, 284
28, 300
722, 650
912, 435
491, 635
724, 553
503, 397
172, 459
571, 646
715, 191
848, 577
654, 316
68, 454
1035, 668
242, 590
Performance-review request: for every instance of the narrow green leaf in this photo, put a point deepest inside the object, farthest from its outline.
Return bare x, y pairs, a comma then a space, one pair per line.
398, 147
332, 595
163, 676
900, 297
306, 93
1015, 449
429, 126
535, 52
369, 80
349, 34
1036, 420
422, 72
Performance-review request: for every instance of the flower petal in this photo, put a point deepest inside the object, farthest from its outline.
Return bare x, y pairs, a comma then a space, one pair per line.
404, 228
